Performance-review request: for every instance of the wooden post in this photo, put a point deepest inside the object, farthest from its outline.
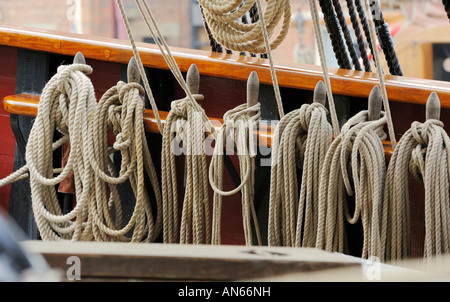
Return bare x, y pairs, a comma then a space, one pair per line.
79, 58
375, 103
320, 93
252, 90
433, 107
133, 75
193, 79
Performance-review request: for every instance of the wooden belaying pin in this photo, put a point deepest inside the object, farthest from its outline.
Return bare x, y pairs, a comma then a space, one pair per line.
252, 90
79, 58
193, 79
433, 107
133, 75
375, 103
320, 93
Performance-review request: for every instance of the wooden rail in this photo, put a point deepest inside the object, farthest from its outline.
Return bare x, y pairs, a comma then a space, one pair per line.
302, 77
27, 104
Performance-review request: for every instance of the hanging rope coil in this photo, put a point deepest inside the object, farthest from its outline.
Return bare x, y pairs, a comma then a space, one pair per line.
301, 140
66, 103
423, 151
223, 21
121, 110
237, 130
184, 133
360, 144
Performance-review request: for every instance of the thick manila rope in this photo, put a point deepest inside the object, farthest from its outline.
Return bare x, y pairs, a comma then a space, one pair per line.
354, 166
301, 140
121, 110
66, 103
184, 133
237, 134
423, 151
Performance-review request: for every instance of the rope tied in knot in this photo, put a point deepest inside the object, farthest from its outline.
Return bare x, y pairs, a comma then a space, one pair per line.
236, 135
359, 149
301, 139
424, 150
184, 128
121, 110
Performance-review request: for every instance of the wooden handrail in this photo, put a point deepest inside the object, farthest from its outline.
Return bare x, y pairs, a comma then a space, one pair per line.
27, 104
297, 76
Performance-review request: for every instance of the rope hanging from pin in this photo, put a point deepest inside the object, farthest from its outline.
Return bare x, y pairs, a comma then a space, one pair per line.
423, 151
237, 135
184, 133
66, 103
121, 110
354, 166
300, 142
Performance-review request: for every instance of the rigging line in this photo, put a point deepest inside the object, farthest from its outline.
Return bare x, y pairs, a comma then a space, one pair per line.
334, 31
359, 35
152, 25
276, 87
380, 75
365, 25
140, 65
347, 36
385, 40
323, 61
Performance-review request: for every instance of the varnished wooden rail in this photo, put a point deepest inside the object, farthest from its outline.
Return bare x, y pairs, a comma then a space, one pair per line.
27, 104
297, 76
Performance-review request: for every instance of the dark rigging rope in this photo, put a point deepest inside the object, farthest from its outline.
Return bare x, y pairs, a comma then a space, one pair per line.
334, 31
446, 4
359, 35
347, 36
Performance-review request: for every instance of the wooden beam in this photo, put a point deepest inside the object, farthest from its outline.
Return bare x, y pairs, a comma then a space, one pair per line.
155, 261
297, 76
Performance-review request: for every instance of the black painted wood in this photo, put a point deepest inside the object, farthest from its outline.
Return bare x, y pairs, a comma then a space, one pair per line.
32, 74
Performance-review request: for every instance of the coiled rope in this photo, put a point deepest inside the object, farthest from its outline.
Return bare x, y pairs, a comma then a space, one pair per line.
184, 133
360, 144
301, 140
121, 110
237, 133
66, 103
423, 151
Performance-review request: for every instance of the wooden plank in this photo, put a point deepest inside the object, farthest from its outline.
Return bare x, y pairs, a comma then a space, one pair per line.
156, 261
303, 77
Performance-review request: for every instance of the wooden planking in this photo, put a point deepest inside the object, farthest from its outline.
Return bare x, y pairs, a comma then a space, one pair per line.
154, 261
303, 77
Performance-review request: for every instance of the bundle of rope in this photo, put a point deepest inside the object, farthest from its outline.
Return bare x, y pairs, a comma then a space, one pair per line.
360, 145
224, 20
301, 140
121, 110
237, 133
66, 103
184, 132
423, 151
